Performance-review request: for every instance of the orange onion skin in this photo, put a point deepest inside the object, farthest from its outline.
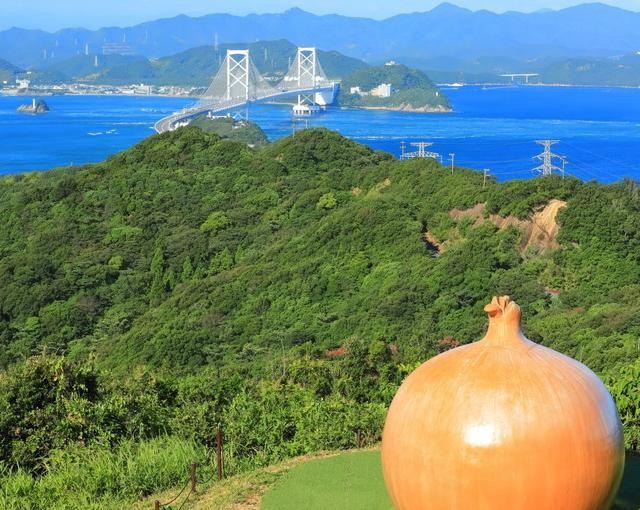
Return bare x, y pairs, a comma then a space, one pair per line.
502, 423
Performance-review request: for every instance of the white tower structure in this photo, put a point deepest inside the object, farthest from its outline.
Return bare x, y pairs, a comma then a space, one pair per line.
307, 62
238, 74
547, 157
306, 69
422, 152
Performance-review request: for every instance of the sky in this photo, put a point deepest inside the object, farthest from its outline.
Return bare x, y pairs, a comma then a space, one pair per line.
56, 14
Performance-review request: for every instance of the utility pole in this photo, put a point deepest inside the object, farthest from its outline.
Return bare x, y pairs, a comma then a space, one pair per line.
547, 167
452, 156
485, 172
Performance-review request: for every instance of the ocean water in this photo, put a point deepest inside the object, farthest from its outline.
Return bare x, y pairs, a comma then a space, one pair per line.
492, 128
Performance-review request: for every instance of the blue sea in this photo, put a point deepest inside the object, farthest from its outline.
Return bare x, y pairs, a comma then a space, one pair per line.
492, 128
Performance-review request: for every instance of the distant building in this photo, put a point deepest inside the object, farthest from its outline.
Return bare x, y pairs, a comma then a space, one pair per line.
355, 90
23, 84
382, 90
391, 63
117, 49
142, 89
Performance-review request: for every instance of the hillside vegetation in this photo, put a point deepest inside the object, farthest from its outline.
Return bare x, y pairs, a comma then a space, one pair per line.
228, 128
281, 293
412, 89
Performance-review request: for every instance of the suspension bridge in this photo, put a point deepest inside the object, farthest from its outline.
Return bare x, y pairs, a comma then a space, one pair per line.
239, 83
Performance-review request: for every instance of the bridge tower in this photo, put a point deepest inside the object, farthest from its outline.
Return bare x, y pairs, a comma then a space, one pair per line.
237, 74
307, 72
238, 83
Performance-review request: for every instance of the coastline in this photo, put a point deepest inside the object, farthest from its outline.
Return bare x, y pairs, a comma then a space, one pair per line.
556, 85
401, 108
404, 108
95, 94
476, 126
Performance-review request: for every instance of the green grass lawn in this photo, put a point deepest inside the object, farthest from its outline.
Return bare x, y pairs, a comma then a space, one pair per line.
353, 481
629, 493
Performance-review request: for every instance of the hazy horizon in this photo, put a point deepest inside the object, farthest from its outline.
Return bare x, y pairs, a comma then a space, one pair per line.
41, 14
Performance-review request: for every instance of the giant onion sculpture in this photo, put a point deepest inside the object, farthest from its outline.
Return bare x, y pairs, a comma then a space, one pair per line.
502, 424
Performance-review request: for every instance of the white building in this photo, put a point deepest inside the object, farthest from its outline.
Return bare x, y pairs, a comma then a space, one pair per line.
382, 90
142, 89
355, 90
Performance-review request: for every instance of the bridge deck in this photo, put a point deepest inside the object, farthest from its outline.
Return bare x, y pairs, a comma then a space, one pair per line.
174, 120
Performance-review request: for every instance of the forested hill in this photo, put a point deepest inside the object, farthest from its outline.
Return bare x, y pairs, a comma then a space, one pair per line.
283, 294
411, 89
186, 250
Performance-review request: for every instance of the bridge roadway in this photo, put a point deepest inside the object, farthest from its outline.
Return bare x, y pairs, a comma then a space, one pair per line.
177, 119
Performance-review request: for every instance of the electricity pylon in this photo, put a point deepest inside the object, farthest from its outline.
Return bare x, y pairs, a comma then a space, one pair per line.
547, 167
422, 152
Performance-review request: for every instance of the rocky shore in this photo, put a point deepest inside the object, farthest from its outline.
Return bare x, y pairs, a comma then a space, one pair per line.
36, 107
411, 108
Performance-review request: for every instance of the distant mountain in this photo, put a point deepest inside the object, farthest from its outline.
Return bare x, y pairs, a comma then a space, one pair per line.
620, 71
612, 71
88, 66
7, 71
194, 67
585, 30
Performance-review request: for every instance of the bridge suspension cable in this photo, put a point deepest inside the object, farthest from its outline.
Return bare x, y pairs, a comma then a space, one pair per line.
239, 82
305, 71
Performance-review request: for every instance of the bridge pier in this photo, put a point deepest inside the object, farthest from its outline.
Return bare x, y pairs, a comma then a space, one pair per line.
304, 109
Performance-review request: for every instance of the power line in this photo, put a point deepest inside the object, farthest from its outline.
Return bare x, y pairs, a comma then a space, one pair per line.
502, 161
513, 172
594, 173
632, 167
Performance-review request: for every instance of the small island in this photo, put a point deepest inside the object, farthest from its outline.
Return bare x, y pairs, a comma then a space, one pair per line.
392, 87
36, 107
